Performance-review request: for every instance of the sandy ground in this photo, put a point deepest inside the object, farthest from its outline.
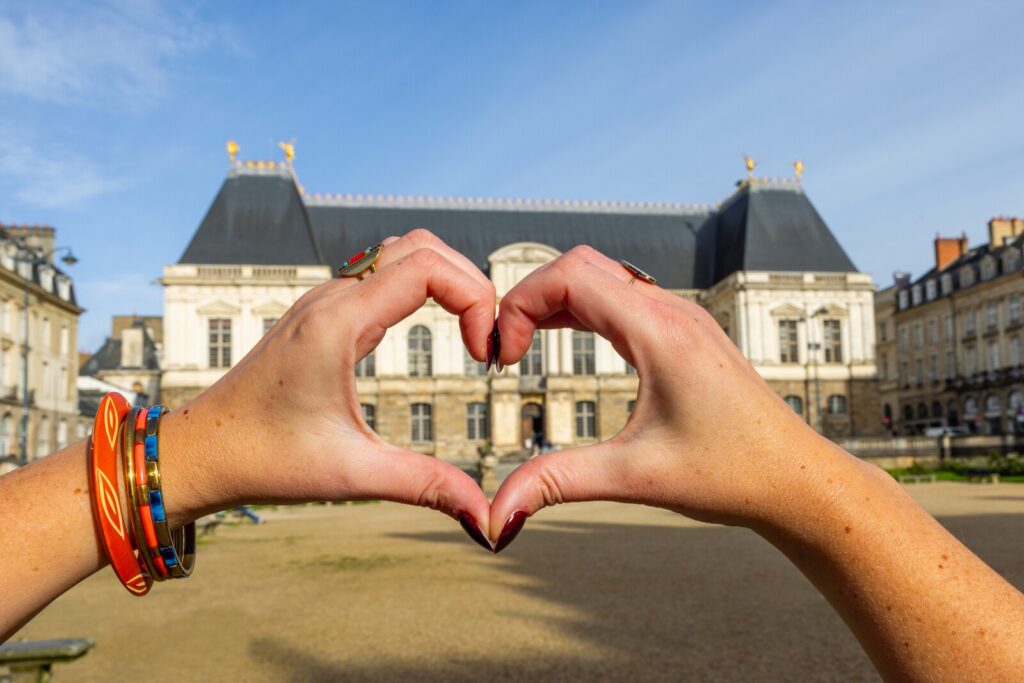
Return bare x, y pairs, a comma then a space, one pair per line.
595, 592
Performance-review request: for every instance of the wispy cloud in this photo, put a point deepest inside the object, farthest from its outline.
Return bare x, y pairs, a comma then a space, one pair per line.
114, 52
50, 176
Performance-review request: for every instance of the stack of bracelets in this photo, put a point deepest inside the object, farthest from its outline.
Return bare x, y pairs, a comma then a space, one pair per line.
145, 549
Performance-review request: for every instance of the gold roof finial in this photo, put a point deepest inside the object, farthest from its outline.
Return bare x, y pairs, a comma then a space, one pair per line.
798, 166
232, 149
289, 150
750, 164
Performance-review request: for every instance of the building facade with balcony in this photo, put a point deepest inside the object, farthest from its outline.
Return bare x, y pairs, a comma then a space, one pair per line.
956, 337
54, 420
763, 262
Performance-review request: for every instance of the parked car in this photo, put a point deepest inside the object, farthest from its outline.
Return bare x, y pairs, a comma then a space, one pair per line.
937, 432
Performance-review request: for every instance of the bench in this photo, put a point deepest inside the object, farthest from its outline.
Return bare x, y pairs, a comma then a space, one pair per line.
917, 478
982, 477
35, 658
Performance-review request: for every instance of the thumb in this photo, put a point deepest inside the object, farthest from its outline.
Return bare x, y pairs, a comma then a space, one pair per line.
404, 476
579, 474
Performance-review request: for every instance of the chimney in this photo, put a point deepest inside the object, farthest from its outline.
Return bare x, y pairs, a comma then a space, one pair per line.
41, 237
132, 347
1003, 230
949, 249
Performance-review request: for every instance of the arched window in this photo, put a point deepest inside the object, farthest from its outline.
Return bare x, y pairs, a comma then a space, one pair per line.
370, 415
476, 420
420, 357
421, 422
922, 411
936, 409
367, 367
796, 403
532, 364
582, 353
970, 407
836, 404
586, 419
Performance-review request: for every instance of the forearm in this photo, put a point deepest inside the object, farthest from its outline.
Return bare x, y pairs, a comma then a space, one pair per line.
48, 543
923, 606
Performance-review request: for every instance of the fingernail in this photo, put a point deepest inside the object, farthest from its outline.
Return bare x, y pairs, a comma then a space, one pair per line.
490, 345
497, 348
512, 527
470, 526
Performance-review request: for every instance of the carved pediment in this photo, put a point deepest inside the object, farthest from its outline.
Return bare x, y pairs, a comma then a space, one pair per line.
524, 252
218, 309
787, 311
270, 309
833, 311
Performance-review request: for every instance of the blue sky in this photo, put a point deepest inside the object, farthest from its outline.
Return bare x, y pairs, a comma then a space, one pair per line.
113, 116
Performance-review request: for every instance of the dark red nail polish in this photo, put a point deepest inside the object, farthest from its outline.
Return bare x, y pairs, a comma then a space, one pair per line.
490, 345
470, 526
512, 527
497, 348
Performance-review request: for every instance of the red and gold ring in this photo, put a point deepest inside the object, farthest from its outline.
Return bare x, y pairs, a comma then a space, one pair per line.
106, 497
357, 265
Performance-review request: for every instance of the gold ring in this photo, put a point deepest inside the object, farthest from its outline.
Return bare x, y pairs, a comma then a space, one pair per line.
366, 260
637, 273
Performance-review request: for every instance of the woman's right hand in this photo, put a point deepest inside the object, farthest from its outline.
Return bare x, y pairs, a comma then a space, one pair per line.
707, 438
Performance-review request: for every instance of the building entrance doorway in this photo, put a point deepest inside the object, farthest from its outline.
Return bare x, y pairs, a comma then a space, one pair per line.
532, 430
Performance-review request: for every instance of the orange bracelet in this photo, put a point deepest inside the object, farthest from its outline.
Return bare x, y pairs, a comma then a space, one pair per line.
106, 497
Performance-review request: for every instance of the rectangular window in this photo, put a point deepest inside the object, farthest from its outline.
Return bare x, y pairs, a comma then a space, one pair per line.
586, 420
220, 343
1014, 358
65, 337
970, 360
471, 367
904, 372
267, 324
532, 364
950, 365
833, 341
991, 317
933, 332
367, 367
422, 423
993, 356
933, 368
947, 327
904, 340
788, 346
476, 420
918, 336
883, 366
969, 322
1014, 310
583, 353
370, 415
918, 370
882, 329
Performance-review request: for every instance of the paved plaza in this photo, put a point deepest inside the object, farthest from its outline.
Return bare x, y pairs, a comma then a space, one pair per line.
592, 592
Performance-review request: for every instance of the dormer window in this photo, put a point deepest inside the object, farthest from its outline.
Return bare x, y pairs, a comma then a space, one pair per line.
904, 299
988, 268
930, 290
1011, 260
64, 287
947, 284
966, 276
915, 294
46, 278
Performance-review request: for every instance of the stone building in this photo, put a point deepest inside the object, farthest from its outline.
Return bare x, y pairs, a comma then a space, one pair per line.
129, 360
955, 337
763, 262
26, 258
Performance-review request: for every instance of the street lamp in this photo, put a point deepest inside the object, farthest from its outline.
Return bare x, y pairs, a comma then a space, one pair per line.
813, 349
33, 259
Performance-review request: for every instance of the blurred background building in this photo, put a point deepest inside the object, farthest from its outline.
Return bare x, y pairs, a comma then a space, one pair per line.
950, 340
763, 262
38, 397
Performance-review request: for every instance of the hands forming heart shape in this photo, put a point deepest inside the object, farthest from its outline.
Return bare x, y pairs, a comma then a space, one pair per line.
287, 424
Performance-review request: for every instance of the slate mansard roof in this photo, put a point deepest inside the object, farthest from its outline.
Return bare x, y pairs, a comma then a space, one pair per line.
259, 217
